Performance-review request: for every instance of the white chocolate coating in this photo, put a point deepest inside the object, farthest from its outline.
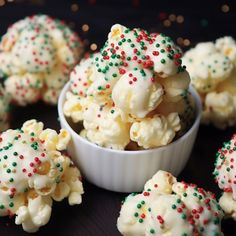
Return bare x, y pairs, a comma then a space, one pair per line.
227, 46
212, 71
117, 92
167, 207
228, 204
41, 47
105, 127
4, 109
137, 97
155, 132
225, 177
33, 171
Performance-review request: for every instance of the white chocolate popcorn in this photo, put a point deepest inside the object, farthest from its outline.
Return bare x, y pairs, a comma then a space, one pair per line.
75, 106
228, 204
33, 171
220, 109
53, 141
35, 215
174, 86
70, 186
167, 207
212, 71
184, 107
81, 76
207, 69
116, 93
160, 183
26, 88
225, 176
4, 109
105, 127
125, 51
227, 46
33, 126
155, 132
36, 56
137, 93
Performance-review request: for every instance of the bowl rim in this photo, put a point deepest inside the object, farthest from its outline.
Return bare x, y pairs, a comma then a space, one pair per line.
195, 125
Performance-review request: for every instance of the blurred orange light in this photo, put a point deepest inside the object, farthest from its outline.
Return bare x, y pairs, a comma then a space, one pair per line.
85, 27
93, 46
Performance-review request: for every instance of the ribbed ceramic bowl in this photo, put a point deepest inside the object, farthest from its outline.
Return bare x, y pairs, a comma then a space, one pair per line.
127, 171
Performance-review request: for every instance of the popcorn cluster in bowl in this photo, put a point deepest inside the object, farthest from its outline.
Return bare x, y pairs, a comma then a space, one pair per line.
33, 172
212, 70
36, 56
135, 91
225, 176
168, 207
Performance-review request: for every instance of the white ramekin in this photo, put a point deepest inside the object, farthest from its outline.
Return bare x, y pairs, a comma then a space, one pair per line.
127, 171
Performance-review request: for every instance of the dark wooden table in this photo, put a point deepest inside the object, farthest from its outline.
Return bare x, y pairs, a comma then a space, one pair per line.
97, 214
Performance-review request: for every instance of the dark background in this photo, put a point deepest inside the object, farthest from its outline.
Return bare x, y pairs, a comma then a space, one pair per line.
202, 20
196, 21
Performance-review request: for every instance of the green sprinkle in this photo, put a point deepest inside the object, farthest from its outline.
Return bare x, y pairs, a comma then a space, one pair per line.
139, 206
173, 206
140, 220
14, 164
58, 165
163, 61
152, 231
11, 180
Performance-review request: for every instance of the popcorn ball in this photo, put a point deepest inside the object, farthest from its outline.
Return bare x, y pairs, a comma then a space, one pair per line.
4, 109
34, 172
212, 71
120, 93
167, 207
225, 176
36, 57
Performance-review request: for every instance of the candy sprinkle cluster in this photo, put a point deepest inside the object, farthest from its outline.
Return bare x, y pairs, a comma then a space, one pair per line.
225, 176
36, 56
33, 172
211, 66
169, 207
225, 167
135, 49
117, 92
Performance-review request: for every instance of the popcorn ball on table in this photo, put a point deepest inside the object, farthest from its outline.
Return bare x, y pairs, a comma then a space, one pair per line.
212, 71
167, 207
120, 93
4, 109
225, 176
34, 172
36, 56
